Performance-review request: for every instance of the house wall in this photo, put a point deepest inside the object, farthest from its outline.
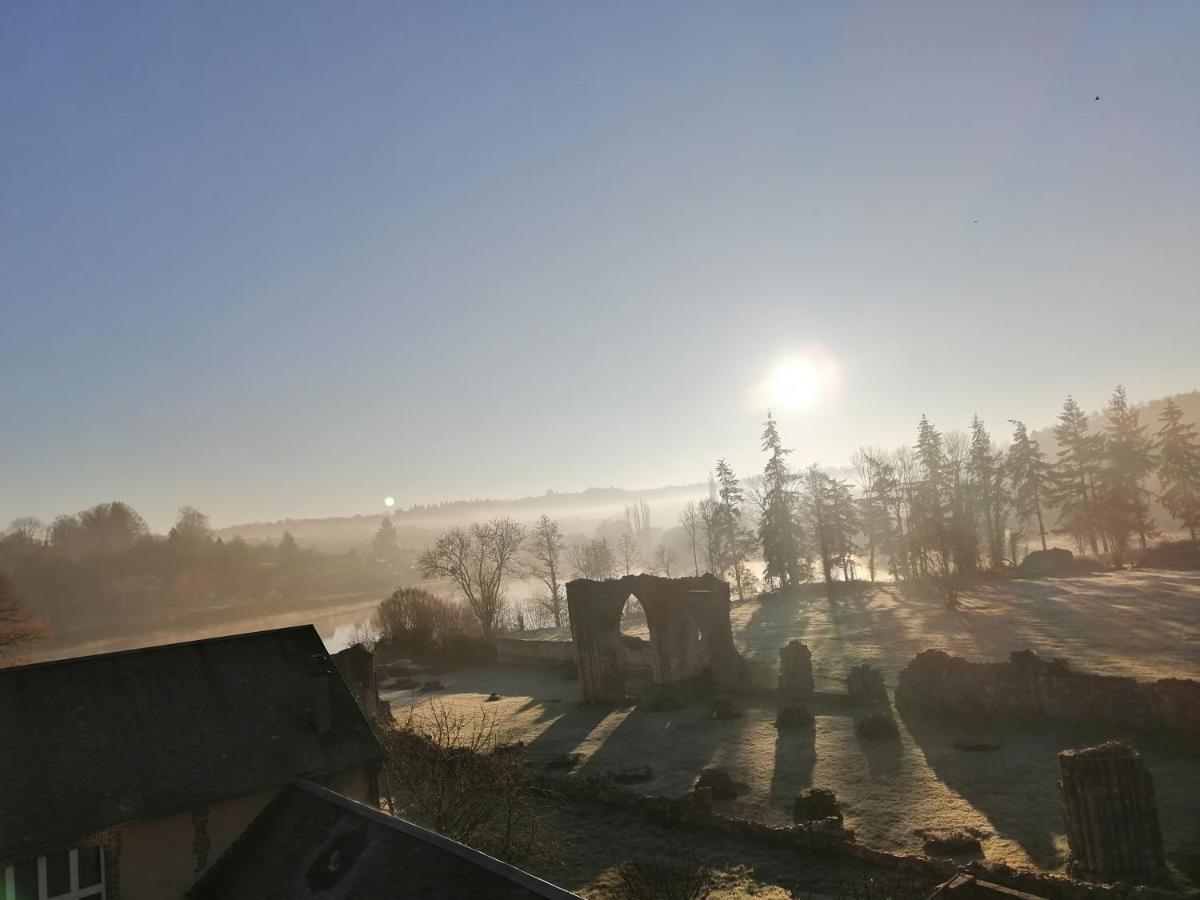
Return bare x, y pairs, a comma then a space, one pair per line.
161, 858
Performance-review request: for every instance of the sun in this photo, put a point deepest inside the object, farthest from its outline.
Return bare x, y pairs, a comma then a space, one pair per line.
389, 502
798, 382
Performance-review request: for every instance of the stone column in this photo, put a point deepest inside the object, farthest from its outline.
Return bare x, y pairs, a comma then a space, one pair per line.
795, 670
865, 685
1110, 813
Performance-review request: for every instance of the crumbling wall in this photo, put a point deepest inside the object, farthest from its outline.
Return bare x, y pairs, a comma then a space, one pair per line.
1110, 814
1029, 686
688, 620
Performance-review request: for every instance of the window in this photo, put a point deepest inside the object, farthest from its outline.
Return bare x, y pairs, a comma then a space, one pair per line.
70, 875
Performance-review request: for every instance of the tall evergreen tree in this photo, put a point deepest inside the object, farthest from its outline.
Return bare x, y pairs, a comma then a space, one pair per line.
1027, 477
779, 529
929, 525
988, 498
1179, 468
1128, 462
1073, 477
844, 526
733, 540
818, 501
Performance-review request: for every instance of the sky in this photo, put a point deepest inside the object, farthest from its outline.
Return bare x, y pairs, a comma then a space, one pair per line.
287, 259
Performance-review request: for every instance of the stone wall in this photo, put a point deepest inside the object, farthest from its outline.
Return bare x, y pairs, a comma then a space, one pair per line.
1028, 686
527, 652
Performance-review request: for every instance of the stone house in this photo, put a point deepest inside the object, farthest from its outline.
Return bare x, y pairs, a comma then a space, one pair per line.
123, 775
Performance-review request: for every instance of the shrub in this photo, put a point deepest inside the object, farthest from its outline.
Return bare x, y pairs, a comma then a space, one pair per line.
661, 877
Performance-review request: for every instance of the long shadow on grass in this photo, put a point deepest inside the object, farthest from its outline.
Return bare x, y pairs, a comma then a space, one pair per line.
1016, 786
795, 761
676, 744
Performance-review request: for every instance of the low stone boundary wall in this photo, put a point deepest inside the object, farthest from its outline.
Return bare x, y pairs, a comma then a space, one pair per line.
1029, 686
683, 811
524, 652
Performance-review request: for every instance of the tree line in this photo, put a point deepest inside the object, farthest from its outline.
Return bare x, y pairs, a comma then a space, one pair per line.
102, 571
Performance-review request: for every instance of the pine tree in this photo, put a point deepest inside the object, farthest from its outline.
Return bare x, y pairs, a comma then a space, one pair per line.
1128, 461
1179, 468
1027, 476
1073, 477
985, 468
779, 529
818, 498
929, 526
733, 540
844, 526
384, 544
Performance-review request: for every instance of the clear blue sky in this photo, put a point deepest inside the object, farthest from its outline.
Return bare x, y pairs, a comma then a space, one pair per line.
284, 259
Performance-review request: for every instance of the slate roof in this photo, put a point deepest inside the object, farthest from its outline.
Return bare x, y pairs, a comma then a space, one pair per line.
98, 741
310, 842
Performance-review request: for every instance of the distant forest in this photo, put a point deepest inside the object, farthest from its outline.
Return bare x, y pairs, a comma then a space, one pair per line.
949, 504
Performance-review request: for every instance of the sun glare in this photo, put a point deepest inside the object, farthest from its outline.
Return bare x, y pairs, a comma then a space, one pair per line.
389, 502
798, 382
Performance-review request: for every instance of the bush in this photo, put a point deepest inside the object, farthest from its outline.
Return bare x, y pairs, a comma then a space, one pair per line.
675, 877
416, 623
450, 772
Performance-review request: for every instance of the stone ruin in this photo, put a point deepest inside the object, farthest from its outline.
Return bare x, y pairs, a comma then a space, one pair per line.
690, 634
356, 665
1110, 813
796, 671
865, 686
1027, 686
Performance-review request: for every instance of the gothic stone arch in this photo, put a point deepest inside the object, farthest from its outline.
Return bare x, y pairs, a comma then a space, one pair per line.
689, 627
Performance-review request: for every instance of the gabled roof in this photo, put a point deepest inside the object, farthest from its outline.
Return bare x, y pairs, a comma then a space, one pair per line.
98, 741
310, 842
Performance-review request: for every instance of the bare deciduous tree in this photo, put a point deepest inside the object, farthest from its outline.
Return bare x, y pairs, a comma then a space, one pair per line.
689, 520
546, 549
592, 559
629, 551
478, 560
664, 557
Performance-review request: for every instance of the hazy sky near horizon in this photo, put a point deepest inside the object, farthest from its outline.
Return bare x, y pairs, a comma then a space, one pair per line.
282, 260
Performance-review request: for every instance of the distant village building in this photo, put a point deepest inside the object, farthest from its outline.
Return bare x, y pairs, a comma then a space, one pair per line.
312, 843
124, 775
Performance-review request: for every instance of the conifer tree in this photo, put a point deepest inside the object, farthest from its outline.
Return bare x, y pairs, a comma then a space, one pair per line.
779, 529
929, 530
1179, 468
1073, 476
1128, 461
1027, 477
818, 499
844, 526
988, 497
733, 541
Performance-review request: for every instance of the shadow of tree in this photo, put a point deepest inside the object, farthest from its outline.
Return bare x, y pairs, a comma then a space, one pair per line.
1016, 787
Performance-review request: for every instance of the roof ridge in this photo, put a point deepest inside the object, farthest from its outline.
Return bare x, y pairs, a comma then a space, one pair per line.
129, 651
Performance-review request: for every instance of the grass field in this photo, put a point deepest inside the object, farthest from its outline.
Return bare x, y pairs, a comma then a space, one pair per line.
1142, 624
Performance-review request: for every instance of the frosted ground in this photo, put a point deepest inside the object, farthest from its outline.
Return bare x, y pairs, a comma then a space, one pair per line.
1140, 624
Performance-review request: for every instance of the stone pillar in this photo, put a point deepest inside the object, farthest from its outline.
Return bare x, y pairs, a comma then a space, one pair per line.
1110, 813
865, 685
795, 670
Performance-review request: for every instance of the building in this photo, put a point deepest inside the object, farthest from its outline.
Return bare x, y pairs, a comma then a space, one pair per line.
312, 843
123, 775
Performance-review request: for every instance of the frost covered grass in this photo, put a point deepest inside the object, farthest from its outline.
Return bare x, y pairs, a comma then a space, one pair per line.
1140, 624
